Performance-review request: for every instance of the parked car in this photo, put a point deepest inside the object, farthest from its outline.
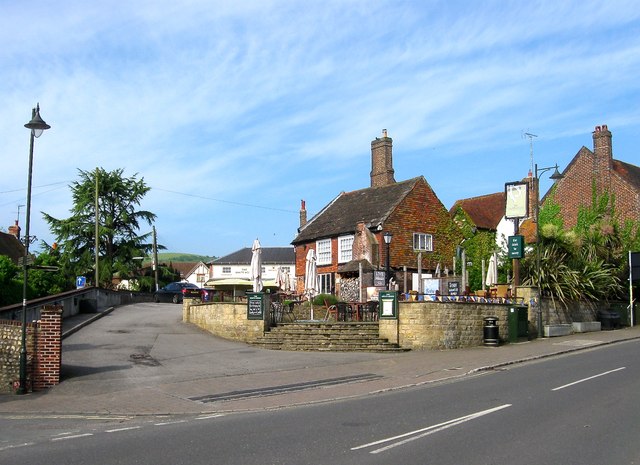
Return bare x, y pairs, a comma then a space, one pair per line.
174, 292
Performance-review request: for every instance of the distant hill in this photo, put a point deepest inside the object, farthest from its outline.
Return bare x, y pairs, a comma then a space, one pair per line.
182, 257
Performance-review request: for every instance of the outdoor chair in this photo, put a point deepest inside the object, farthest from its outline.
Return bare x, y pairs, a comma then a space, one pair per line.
372, 310
345, 311
332, 310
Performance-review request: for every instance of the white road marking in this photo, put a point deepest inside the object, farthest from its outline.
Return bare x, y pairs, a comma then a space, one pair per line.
420, 433
170, 423
216, 415
14, 446
589, 378
117, 430
64, 438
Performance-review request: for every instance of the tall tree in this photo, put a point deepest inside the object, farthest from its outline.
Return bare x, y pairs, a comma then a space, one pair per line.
118, 222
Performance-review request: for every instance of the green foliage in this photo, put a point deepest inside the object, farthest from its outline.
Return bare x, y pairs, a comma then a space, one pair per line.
10, 285
183, 257
119, 222
321, 298
586, 262
551, 213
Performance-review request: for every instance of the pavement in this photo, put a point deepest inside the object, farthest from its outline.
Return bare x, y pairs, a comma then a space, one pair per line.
258, 379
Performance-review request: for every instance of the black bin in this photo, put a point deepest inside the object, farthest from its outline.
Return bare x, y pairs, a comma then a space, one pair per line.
609, 320
491, 331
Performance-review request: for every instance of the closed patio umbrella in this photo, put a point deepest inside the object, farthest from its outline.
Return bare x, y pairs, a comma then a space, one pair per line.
492, 271
311, 277
256, 266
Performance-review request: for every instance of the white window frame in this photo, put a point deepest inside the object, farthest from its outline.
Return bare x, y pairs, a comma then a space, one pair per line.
323, 252
345, 249
226, 270
422, 242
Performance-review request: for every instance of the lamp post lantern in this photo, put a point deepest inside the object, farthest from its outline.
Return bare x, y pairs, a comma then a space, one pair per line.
37, 127
387, 236
555, 176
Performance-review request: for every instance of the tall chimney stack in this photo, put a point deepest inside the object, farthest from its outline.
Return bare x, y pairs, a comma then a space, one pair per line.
602, 158
382, 161
303, 213
15, 230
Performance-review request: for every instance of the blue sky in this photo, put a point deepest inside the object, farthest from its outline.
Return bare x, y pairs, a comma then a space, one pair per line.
234, 111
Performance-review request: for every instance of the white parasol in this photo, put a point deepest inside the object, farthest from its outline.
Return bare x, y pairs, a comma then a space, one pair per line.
492, 271
256, 266
311, 277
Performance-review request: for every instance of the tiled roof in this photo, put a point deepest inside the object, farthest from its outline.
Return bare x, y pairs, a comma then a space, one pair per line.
629, 172
184, 268
485, 211
11, 247
371, 205
270, 256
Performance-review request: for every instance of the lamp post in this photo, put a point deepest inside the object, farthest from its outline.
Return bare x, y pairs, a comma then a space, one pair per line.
555, 176
387, 236
37, 127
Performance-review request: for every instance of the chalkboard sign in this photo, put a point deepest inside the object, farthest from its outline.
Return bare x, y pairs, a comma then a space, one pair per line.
454, 287
379, 279
255, 308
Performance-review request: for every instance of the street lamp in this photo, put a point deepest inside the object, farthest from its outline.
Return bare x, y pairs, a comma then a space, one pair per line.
555, 176
37, 126
387, 236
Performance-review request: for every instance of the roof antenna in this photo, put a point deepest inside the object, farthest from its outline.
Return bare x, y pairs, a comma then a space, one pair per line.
530, 137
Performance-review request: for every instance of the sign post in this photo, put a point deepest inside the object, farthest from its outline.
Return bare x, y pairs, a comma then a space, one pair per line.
255, 306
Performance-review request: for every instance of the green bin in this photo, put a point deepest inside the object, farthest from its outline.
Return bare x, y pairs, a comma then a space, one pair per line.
518, 323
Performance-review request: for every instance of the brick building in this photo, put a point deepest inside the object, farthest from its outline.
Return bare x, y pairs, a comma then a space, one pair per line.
348, 232
598, 168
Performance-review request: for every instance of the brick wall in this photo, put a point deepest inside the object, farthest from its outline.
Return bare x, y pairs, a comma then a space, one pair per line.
44, 351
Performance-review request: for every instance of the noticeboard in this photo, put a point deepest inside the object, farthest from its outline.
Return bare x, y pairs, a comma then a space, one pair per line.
388, 307
379, 279
255, 306
516, 246
454, 287
634, 265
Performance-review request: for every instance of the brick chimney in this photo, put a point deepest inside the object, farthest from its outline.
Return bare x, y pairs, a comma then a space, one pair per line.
602, 158
15, 230
382, 161
303, 213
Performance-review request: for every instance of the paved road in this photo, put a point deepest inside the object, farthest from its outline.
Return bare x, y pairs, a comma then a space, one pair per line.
142, 360
580, 409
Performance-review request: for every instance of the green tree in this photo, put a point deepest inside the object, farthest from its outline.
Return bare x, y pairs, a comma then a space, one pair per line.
118, 221
10, 284
587, 261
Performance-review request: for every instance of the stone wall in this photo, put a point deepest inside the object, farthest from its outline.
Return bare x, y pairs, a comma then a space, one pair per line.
440, 325
225, 319
10, 345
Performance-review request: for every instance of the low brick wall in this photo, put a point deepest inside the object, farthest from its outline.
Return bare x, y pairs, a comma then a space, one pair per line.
440, 325
44, 351
224, 319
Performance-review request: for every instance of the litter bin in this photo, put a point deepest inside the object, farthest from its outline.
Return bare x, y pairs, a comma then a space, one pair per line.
491, 331
609, 320
518, 322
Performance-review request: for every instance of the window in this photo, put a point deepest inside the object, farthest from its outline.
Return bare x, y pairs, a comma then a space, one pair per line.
345, 249
226, 270
286, 269
323, 251
200, 277
326, 283
423, 242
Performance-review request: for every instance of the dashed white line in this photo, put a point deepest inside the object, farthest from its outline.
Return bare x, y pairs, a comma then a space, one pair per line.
170, 423
216, 415
75, 436
14, 446
589, 378
117, 430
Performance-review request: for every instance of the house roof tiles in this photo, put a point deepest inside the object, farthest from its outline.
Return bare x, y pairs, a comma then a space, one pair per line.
485, 211
371, 206
270, 256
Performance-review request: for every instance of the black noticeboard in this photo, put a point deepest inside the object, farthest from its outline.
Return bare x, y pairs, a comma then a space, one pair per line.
255, 306
388, 306
454, 287
379, 279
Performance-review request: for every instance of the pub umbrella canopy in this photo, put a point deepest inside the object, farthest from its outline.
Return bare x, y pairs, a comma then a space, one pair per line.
256, 266
311, 277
